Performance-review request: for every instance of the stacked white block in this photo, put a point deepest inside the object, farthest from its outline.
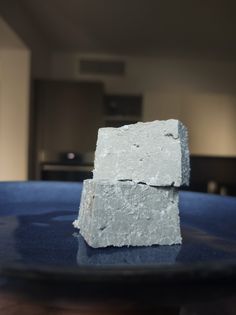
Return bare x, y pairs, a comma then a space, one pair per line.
155, 153
133, 198
122, 213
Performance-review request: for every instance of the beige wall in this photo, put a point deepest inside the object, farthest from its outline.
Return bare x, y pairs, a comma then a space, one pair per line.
210, 118
17, 17
8, 38
14, 112
199, 92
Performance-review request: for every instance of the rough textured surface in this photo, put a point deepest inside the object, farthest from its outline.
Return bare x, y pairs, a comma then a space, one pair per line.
125, 213
155, 153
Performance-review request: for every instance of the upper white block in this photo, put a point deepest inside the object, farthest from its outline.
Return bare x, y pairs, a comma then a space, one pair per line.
155, 153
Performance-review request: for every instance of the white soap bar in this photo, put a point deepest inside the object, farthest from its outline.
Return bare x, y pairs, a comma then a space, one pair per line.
122, 213
155, 153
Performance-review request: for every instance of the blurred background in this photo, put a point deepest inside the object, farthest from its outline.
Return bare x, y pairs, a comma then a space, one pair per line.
70, 67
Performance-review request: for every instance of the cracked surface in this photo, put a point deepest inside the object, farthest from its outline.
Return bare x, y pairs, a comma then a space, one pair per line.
122, 213
155, 153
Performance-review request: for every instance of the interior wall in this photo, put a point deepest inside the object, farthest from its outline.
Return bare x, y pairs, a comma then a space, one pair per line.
210, 118
14, 111
200, 92
19, 19
8, 38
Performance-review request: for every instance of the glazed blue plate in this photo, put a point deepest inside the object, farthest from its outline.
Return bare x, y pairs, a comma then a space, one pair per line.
38, 238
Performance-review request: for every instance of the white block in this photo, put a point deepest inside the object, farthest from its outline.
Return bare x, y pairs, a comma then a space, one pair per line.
155, 153
125, 213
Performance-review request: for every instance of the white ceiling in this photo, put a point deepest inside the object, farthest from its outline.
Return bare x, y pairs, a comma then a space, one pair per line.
136, 26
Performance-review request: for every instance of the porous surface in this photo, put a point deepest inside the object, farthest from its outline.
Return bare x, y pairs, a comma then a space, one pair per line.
122, 213
155, 153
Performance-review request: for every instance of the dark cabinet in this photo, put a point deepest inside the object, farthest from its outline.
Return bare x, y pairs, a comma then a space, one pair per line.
67, 116
122, 110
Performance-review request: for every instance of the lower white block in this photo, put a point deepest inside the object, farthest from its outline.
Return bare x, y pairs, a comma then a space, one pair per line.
122, 213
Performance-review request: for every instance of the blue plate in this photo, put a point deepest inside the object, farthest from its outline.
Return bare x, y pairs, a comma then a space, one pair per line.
40, 240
